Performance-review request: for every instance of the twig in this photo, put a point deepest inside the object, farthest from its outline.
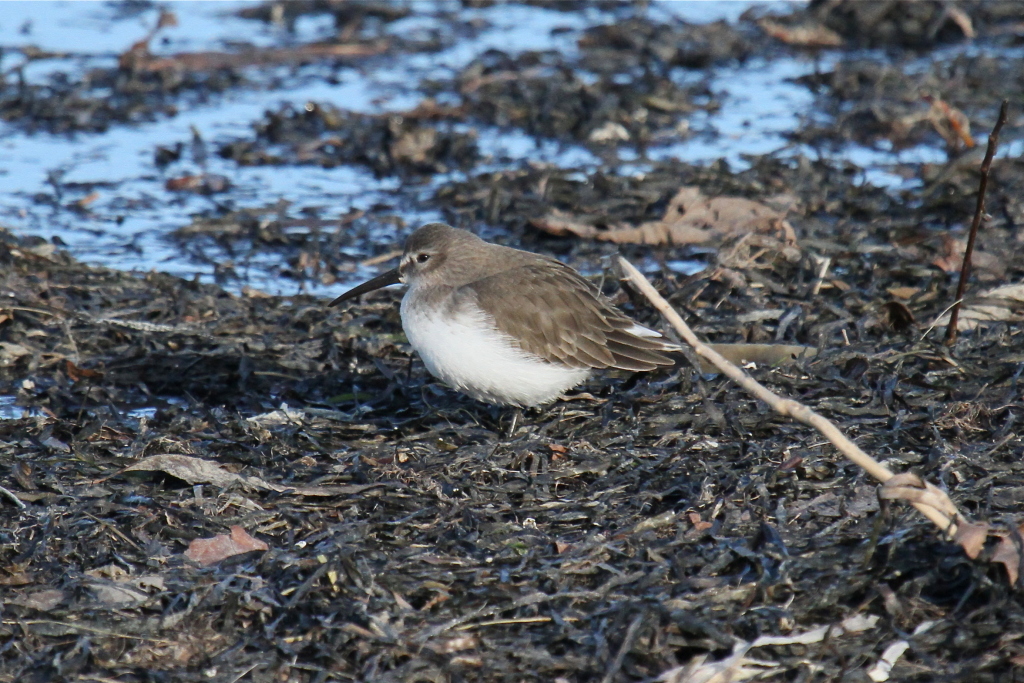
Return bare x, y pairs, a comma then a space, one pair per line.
823, 265
627, 645
14, 499
931, 501
979, 212
85, 628
504, 622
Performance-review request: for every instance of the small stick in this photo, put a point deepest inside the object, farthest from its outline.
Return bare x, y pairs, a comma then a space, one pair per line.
824, 262
13, 498
979, 212
932, 502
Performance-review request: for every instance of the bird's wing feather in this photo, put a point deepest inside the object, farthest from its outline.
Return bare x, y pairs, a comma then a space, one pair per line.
552, 312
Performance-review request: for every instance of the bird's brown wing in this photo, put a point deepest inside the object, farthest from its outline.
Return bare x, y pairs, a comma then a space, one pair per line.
551, 311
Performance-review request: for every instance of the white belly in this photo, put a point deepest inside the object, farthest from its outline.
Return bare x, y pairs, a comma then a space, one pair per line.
468, 354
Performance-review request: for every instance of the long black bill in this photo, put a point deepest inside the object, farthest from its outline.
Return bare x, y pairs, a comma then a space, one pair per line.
391, 277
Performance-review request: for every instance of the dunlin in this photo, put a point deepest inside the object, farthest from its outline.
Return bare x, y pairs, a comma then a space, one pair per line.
508, 326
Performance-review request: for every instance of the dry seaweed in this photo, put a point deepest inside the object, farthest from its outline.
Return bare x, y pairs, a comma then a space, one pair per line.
376, 526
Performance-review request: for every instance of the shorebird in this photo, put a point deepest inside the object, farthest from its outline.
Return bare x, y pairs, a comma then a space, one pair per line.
508, 326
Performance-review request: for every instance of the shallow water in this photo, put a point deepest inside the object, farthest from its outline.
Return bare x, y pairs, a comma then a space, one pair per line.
127, 225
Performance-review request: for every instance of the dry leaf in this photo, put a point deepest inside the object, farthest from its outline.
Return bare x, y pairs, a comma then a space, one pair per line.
117, 594
202, 183
1007, 553
139, 57
17, 577
951, 258
76, 373
736, 667
739, 667
903, 292
698, 523
413, 146
897, 316
1000, 304
561, 224
803, 35
971, 537
691, 218
196, 471
282, 416
44, 600
949, 122
761, 355
85, 201
207, 551
609, 132
190, 470
457, 644
10, 352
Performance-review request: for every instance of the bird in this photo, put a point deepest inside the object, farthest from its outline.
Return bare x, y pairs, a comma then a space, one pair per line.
507, 326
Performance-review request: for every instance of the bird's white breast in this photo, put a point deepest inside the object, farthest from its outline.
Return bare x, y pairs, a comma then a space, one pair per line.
463, 349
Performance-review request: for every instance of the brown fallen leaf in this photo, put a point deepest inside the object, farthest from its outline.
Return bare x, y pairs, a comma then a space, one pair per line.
1000, 304
190, 470
903, 292
698, 523
1008, 554
949, 122
691, 218
43, 601
17, 577
213, 61
465, 642
117, 594
10, 352
803, 35
561, 224
762, 355
207, 551
951, 257
76, 373
897, 316
197, 471
971, 537
740, 667
85, 201
202, 183
413, 146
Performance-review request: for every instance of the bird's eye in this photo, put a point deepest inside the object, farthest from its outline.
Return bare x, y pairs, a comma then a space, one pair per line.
422, 258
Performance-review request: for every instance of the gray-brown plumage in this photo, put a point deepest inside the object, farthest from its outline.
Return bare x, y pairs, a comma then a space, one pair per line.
509, 326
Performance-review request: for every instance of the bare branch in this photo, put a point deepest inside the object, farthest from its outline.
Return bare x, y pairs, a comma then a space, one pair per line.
931, 501
979, 212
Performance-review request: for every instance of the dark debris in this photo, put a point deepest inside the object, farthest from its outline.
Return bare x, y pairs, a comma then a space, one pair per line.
324, 135
642, 522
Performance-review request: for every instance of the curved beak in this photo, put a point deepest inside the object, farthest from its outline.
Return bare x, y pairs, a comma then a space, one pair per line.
392, 277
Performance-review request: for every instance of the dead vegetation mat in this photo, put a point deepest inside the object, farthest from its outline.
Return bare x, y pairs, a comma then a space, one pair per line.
620, 533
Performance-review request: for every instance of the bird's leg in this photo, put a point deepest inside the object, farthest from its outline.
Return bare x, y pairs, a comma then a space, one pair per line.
517, 414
